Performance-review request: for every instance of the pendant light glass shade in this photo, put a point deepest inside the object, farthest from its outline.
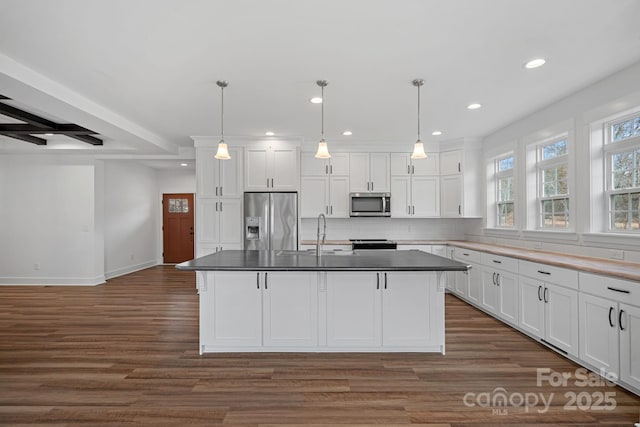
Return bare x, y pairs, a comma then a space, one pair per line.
418, 148
223, 151
323, 150
418, 151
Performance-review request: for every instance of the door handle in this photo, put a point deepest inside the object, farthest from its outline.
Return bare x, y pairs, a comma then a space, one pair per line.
371, 185
385, 280
267, 182
620, 320
330, 169
216, 206
408, 170
413, 169
498, 279
331, 210
377, 280
272, 183
217, 190
221, 190
494, 278
258, 280
326, 169
610, 321
539, 295
546, 294
266, 284
220, 206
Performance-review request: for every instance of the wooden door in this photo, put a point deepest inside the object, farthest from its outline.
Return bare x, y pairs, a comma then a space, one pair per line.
177, 227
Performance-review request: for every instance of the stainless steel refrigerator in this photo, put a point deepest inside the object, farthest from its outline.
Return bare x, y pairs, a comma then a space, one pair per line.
271, 221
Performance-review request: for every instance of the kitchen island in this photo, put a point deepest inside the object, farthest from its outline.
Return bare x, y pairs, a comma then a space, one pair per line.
349, 301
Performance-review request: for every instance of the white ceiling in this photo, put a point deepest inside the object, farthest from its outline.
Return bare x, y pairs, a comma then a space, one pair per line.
142, 73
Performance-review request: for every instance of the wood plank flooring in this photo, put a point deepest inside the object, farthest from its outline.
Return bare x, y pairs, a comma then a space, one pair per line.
126, 353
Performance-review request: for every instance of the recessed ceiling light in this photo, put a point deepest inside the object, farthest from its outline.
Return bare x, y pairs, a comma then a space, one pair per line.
347, 133
474, 106
269, 133
535, 63
316, 100
436, 133
184, 164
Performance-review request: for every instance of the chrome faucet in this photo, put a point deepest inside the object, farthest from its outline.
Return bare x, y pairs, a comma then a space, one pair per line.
324, 234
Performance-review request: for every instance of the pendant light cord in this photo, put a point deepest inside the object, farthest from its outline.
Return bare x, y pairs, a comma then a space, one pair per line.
419, 113
322, 113
222, 115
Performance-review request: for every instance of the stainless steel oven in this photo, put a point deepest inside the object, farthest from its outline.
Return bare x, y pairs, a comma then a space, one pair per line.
369, 204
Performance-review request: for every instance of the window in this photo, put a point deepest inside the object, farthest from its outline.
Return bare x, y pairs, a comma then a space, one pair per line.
622, 153
552, 167
505, 194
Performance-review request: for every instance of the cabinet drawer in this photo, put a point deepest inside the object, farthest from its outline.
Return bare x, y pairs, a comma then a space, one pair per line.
549, 274
610, 288
500, 262
463, 254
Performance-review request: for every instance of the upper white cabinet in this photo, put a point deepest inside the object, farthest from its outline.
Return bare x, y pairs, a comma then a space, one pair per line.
217, 178
324, 186
402, 164
271, 167
459, 181
414, 194
369, 172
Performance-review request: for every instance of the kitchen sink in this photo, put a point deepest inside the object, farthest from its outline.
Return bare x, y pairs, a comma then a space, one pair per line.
312, 252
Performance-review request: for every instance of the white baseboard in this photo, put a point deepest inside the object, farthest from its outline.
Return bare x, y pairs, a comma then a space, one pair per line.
130, 269
52, 281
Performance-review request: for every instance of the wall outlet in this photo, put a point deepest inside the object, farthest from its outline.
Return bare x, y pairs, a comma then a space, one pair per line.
616, 254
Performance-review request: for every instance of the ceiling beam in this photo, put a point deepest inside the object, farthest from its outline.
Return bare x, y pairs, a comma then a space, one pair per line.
39, 125
29, 138
32, 119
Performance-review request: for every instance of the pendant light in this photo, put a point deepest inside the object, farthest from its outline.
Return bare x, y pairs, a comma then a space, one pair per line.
418, 148
223, 152
323, 150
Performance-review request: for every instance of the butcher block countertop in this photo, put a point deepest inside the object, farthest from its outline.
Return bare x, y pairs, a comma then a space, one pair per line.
613, 268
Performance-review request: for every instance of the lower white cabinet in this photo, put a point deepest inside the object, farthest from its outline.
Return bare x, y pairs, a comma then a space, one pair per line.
353, 309
321, 311
549, 312
290, 309
500, 294
411, 315
230, 310
610, 326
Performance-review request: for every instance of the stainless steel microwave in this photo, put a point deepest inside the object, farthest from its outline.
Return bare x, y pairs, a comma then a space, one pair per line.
369, 204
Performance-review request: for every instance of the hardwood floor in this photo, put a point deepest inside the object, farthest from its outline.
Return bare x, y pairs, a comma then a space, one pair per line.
127, 353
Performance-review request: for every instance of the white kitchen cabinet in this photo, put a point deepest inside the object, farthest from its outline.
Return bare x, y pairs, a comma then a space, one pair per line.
391, 310
451, 200
610, 326
403, 164
273, 167
290, 309
451, 162
415, 187
218, 178
369, 172
500, 283
219, 221
549, 312
475, 284
353, 309
415, 197
408, 303
325, 189
231, 310
630, 345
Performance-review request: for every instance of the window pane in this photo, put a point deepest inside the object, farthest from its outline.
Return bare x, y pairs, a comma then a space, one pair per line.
505, 214
635, 211
505, 189
554, 181
625, 130
555, 149
555, 213
505, 164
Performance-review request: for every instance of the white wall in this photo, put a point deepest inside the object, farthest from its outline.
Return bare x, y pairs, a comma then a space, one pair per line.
612, 95
48, 231
131, 217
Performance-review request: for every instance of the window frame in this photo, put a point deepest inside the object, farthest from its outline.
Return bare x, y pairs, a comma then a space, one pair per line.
497, 176
609, 149
541, 165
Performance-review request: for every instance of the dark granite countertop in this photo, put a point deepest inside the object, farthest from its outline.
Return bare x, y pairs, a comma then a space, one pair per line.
301, 261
